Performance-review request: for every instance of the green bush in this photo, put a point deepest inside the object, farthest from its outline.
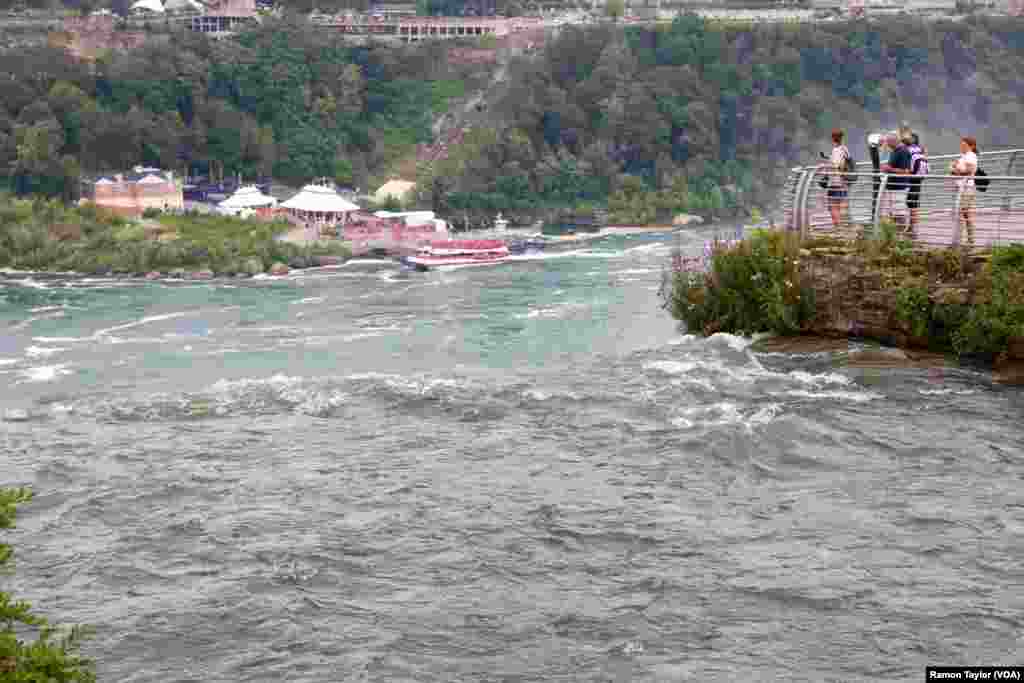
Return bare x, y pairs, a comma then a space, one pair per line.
1009, 258
52, 655
914, 309
130, 233
754, 286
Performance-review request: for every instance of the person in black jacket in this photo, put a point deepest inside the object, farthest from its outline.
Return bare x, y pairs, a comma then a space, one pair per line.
918, 168
899, 163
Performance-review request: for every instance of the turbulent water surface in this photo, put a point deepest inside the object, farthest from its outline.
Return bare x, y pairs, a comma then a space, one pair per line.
517, 472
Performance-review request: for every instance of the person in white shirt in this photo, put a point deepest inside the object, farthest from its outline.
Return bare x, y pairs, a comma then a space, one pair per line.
837, 185
966, 166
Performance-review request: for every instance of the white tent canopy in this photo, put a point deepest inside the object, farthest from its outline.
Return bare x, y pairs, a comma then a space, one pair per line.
319, 199
183, 5
394, 188
409, 217
247, 197
151, 5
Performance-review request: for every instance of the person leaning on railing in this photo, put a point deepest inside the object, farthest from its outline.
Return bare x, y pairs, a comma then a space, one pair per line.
966, 165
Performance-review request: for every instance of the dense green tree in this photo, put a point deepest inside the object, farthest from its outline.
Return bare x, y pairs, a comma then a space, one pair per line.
720, 106
30, 648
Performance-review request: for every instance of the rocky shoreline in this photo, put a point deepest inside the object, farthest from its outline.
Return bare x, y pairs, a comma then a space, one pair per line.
931, 307
277, 269
859, 297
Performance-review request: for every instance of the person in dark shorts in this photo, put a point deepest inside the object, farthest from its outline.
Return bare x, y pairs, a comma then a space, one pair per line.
837, 185
918, 169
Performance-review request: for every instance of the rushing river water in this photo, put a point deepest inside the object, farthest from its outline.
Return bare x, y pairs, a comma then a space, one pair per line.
521, 472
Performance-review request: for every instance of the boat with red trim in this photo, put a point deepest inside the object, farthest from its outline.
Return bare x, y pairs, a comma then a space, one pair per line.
458, 253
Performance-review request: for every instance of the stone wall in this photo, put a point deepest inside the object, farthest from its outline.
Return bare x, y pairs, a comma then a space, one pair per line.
857, 297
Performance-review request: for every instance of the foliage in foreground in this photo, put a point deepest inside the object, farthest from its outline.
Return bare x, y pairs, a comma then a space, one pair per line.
44, 235
53, 654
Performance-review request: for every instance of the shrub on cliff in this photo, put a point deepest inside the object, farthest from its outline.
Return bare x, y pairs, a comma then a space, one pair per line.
755, 285
988, 326
53, 654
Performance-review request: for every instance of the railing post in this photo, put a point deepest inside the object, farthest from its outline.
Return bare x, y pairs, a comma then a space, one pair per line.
956, 218
883, 181
800, 205
1007, 201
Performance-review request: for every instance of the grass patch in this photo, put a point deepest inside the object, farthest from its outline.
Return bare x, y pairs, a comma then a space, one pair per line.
109, 243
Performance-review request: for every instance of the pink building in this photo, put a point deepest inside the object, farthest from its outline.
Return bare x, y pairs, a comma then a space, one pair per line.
224, 16
131, 194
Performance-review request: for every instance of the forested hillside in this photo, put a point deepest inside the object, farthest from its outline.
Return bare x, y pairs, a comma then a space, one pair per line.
702, 117
281, 100
688, 116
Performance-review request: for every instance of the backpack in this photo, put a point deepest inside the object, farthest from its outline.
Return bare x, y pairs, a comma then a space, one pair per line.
850, 167
918, 161
981, 180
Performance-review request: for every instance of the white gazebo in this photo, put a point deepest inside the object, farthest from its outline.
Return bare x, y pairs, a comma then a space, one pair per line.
245, 199
177, 6
319, 204
154, 6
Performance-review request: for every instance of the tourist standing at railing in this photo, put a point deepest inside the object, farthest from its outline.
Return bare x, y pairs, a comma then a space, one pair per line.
838, 188
918, 169
967, 166
898, 163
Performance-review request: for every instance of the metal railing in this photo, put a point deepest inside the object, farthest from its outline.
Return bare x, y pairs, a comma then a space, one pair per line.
948, 211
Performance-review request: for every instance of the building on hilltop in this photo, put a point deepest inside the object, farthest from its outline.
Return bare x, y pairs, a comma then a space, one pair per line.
129, 194
223, 16
88, 37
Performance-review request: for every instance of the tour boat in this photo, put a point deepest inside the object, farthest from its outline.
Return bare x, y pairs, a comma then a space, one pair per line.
459, 253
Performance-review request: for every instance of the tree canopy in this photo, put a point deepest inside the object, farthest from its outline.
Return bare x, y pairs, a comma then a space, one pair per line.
710, 111
53, 654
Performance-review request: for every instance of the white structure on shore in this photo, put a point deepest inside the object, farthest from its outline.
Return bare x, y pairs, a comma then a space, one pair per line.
415, 218
319, 204
143, 6
244, 201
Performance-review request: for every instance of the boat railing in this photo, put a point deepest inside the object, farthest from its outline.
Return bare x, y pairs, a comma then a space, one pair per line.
949, 210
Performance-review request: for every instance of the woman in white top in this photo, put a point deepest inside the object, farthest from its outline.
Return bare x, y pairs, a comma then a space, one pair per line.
837, 185
967, 166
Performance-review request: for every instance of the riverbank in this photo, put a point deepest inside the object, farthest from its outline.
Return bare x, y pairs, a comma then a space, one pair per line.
47, 237
967, 307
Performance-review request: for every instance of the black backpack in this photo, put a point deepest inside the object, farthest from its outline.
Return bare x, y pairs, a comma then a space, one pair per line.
981, 180
851, 167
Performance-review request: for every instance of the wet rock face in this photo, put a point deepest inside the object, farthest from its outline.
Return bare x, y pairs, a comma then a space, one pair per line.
857, 297
852, 300
1009, 371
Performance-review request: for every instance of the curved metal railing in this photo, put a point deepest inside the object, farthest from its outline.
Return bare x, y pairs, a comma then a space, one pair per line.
948, 212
